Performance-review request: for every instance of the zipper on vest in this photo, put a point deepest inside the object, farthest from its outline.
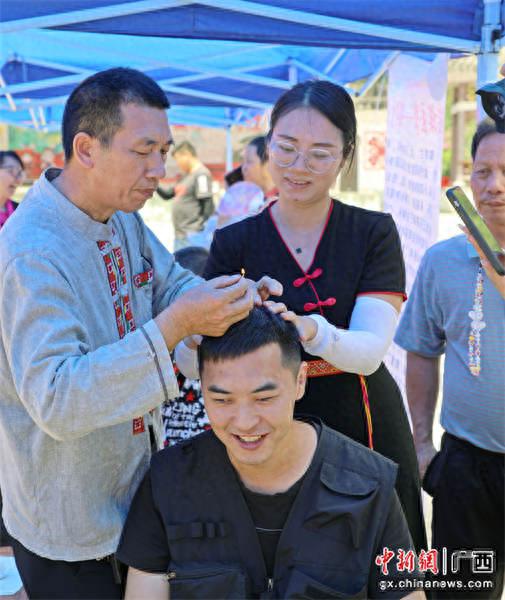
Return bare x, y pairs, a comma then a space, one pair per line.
270, 584
199, 573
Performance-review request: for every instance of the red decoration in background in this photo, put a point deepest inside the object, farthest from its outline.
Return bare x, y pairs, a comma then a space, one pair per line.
36, 162
374, 150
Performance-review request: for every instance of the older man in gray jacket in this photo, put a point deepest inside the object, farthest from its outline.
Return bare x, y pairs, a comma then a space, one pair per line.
91, 304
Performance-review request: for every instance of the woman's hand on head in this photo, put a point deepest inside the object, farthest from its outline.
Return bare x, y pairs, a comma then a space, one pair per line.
264, 288
307, 327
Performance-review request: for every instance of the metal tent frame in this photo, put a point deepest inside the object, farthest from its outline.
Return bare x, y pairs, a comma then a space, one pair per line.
217, 76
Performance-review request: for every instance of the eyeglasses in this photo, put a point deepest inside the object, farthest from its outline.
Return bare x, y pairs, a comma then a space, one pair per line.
14, 171
317, 160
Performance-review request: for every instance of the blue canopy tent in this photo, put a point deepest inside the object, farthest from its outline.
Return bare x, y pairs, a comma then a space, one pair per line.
222, 61
386, 24
235, 79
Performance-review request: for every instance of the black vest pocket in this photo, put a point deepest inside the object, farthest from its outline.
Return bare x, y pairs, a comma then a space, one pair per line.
304, 587
206, 581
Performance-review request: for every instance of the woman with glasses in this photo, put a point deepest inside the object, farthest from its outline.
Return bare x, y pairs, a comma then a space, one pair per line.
11, 175
343, 275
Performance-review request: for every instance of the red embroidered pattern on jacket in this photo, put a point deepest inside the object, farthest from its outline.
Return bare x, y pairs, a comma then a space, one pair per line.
118, 283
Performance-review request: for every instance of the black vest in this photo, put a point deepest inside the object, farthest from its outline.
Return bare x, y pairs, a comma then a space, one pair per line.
329, 540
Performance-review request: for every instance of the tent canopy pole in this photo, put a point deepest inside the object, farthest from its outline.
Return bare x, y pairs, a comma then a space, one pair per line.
488, 57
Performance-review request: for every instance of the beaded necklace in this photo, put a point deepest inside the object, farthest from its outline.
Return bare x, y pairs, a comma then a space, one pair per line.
477, 323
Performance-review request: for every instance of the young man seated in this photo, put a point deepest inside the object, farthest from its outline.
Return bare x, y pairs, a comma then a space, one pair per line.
263, 505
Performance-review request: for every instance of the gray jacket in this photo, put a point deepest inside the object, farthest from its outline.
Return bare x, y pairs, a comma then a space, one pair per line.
70, 387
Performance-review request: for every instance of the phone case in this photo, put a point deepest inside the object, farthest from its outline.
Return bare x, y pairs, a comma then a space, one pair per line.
476, 226
234, 176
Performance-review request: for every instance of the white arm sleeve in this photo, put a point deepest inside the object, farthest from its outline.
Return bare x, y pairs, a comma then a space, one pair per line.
361, 348
187, 361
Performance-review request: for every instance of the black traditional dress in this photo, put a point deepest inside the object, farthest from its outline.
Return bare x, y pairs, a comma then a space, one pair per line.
359, 252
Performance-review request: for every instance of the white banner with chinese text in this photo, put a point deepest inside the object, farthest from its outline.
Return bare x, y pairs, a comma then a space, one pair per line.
414, 142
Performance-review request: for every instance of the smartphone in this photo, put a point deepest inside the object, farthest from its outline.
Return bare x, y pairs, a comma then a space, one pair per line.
234, 176
477, 227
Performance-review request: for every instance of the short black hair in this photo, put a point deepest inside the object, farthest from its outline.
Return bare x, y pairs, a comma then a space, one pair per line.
330, 99
10, 154
193, 258
260, 145
484, 128
260, 328
184, 146
95, 105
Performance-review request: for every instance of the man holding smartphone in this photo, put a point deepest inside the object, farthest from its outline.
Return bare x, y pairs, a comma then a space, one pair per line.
455, 310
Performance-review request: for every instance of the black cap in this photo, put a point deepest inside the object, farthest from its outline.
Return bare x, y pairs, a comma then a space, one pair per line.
493, 102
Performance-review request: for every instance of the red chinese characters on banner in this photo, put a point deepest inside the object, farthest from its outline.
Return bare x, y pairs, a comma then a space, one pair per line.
423, 117
428, 117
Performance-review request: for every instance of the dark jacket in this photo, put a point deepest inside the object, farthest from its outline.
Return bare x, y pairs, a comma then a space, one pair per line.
329, 541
